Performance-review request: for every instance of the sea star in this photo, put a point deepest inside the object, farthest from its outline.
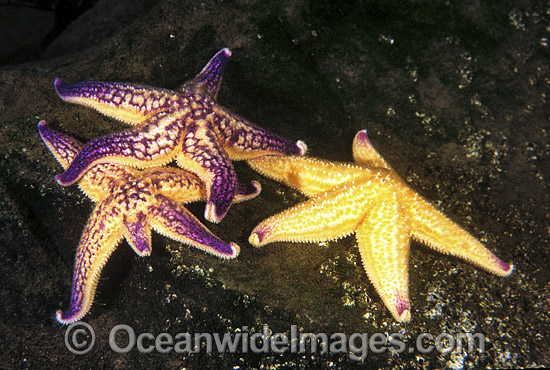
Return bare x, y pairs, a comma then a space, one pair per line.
369, 199
186, 125
130, 202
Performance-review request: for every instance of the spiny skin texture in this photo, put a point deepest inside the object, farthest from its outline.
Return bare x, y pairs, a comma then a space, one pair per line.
186, 125
129, 203
369, 199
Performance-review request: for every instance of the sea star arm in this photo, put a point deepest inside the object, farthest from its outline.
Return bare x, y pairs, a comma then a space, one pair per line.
383, 242
247, 191
308, 175
64, 148
98, 241
137, 232
174, 221
97, 182
128, 103
365, 154
152, 145
434, 229
208, 81
327, 216
244, 140
201, 154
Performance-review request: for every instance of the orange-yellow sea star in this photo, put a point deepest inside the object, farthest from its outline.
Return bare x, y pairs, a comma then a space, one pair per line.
369, 199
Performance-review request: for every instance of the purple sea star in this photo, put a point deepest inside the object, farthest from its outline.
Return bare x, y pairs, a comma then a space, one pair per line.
186, 125
129, 203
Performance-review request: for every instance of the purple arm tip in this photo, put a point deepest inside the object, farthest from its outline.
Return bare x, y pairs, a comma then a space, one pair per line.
301, 147
57, 85
362, 135
59, 178
62, 180
226, 51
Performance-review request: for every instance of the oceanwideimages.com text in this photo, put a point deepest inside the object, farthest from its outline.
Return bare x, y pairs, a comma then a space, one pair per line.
80, 339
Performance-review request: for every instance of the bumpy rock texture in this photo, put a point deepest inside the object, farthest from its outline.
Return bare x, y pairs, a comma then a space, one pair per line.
454, 96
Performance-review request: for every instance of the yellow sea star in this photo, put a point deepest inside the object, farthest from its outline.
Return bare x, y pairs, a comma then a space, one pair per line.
369, 199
